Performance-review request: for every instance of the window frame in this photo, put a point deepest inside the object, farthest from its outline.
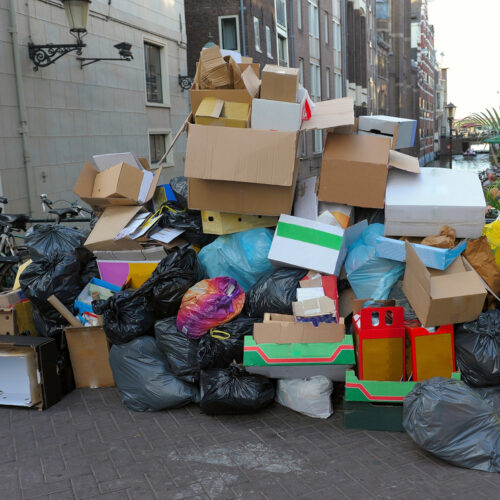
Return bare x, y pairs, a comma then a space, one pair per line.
219, 21
327, 28
256, 31
169, 160
299, 14
281, 34
165, 87
327, 84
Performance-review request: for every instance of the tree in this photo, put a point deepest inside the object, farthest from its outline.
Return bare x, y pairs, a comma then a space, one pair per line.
490, 123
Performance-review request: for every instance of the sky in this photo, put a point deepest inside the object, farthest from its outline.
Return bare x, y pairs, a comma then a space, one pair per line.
467, 32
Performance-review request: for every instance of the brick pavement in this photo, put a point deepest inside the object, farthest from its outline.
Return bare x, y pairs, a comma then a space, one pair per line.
90, 446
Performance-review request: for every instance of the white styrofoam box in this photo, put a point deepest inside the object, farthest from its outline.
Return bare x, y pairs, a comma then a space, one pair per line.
381, 124
276, 115
420, 204
312, 245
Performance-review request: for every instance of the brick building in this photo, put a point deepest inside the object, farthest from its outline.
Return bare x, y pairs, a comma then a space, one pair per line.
423, 55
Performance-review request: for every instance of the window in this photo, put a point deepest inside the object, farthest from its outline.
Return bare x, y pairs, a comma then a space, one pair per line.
336, 8
299, 14
313, 20
281, 12
338, 86
282, 50
327, 83
315, 81
256, 32
317, 141
157, 147
327, 27
229, 33
301, 71
152, 61
269, 43
336, 36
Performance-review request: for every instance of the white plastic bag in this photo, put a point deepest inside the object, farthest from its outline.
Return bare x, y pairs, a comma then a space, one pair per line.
309, 396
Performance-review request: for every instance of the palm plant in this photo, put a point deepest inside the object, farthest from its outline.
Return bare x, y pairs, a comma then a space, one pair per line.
489, 120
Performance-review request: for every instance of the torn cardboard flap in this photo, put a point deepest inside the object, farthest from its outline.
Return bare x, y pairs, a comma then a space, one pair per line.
403, 162
308, 308
331, 114
281, 329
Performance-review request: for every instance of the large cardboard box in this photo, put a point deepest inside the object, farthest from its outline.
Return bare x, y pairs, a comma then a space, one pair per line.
279, 83
354, 169
418, 205
29, 372
276, 115
401, 131
213, 111
264, 181
122, 184
436, 258
312, 245
455, 295
223, 223
89, 353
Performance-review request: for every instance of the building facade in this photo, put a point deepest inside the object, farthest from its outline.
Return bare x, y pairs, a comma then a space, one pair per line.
72, 113
424, 57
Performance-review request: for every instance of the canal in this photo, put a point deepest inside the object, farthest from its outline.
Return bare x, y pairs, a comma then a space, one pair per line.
478, 164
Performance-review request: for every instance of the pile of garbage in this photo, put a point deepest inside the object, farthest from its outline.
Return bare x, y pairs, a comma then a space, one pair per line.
237, 285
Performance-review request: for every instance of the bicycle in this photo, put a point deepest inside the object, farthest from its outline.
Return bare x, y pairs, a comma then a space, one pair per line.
67, 214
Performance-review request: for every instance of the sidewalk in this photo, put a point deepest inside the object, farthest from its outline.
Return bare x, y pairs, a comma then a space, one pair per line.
90, 446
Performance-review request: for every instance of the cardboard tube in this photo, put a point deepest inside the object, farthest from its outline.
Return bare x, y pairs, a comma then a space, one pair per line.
60, 307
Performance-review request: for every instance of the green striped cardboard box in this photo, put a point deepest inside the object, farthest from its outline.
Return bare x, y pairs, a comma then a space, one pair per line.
312, 245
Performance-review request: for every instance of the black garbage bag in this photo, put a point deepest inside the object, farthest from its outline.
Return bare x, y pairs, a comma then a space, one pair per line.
234, 391
44, 240
89, 271
57, 275
125, 316
477, 350
142, 377
274, 293
224, 344
179, 186
454, 422
176, 216
174, 276
179, 350
492, 394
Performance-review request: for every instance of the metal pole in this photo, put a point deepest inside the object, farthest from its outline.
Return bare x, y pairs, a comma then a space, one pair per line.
450, 122
23, 120
243, 35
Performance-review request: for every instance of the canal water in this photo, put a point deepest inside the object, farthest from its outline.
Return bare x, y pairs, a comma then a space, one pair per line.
478, 164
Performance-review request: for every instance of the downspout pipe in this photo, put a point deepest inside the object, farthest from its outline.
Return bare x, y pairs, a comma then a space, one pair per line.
291, 34
243, 30
344, 48
23, 121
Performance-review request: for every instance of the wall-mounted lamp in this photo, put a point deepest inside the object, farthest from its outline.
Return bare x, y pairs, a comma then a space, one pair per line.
77, 13
123, 51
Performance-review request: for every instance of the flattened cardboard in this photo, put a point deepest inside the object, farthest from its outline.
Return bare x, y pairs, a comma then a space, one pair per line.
279, 83
455, 295
314, 307
109, 225
284, 330
355, 167
89, 353
331, 114
213, 70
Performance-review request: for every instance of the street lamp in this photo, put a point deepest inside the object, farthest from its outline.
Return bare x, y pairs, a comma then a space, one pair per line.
77, 13
450, 109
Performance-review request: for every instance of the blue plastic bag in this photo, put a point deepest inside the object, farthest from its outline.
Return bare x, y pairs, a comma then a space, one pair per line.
241, 256
371, 276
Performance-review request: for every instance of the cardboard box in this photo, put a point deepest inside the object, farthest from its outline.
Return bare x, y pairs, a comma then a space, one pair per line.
264, 182
354, 169
312, 245
373, 416
214, 111
213, 70
429, 354
401, 131
89, 353
419, 205
306, 199
455, 295
336, 214
119, 273
223, 223
161, 195
276, 115
8, 324
279, 83
11, 298
380, 343
333, 372
436, 258
28, 371
119, 185
17, 319
379, 391
282, 329
249, 76
315, 307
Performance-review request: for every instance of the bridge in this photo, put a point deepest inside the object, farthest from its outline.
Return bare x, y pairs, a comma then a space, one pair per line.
461, 143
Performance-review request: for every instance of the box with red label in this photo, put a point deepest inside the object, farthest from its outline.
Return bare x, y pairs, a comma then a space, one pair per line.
380, 343
429, 353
